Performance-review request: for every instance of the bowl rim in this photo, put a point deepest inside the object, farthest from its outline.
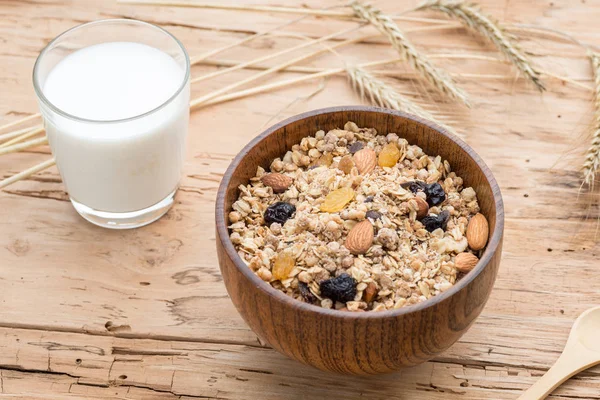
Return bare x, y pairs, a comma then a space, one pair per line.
223, 230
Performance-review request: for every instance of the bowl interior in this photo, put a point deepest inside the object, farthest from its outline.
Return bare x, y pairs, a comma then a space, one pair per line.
277, 140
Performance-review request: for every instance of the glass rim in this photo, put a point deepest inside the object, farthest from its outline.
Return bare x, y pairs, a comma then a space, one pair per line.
40, 93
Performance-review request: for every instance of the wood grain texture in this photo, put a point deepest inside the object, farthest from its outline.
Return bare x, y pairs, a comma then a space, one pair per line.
359, 343
63, 279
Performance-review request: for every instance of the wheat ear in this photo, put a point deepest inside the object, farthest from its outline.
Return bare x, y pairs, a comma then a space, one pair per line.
419, 62
381, 94
592, 156
470, 15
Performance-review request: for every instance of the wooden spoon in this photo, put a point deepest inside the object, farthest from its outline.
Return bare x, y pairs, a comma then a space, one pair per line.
581, 352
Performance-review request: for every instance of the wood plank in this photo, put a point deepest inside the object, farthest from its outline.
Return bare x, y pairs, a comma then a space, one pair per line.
84, 365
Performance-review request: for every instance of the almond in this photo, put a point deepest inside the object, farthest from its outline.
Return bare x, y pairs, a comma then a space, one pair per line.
365, 160
422, 207
370, 292
360, 238
477, 232
278, 182
465, 262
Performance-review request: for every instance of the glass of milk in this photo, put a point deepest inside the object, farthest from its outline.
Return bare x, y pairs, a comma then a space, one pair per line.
114, 95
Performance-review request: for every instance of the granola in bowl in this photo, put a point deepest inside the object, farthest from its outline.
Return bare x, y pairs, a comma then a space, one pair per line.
357, 221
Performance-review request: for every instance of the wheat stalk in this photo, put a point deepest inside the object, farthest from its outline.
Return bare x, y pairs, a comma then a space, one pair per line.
383, 95
419, 62
27, 173
592, 156
470, 15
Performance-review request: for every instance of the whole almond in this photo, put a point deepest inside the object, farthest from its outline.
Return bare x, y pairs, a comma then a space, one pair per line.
465, 262
422, 207
360, 238
365, 160
370, 292
278, 182
477, 232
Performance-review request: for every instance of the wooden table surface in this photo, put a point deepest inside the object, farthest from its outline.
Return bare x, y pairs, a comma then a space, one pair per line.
143, 314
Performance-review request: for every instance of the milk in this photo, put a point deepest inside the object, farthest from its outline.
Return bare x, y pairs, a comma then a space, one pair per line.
110, 161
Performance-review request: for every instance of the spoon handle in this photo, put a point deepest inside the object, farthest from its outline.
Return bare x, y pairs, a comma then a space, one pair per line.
571, 362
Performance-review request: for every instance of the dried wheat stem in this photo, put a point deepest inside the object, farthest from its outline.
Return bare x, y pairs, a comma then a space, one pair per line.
592, 156
13, 134
470, 16
282, 84
26, 135
20, 121
276, 9
270, 56
419, 62
24, 145
383, 95
27, 173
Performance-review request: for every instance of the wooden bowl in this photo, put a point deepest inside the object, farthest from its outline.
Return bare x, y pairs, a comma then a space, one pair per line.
368, 342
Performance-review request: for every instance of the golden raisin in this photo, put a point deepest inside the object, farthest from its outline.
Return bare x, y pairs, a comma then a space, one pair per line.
324, 161
337, 200
389, 155
283, 266
346, 164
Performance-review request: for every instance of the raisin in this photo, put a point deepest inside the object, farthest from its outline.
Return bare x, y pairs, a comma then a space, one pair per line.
369, 199
283, 265
373, 214
414, 186
336, 200
279, 212
389, 155
341, 288
307, 295
432, 222
435, 194
346, 164
356, 146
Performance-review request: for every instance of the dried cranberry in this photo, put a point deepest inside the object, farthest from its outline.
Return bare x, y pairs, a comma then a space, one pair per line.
356, 146
279, 212
373, 214
307, 295
341, 288
433, 222
435, 194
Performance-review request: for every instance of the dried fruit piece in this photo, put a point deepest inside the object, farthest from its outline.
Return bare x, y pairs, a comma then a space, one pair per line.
434, 191
279, 212
337, 200
477, 232
341, 288
283, 265
373, 214
307, 295
465, 262
324, 161
422, 207
370, 292
346, 164
435, 194
433, 222
360, 238
414, 186
365, 160
389, 155
356, 146
278, 182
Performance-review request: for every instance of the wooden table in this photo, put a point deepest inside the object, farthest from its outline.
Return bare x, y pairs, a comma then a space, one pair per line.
143, 314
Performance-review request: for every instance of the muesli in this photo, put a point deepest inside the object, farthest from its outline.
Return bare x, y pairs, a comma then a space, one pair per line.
356, 221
